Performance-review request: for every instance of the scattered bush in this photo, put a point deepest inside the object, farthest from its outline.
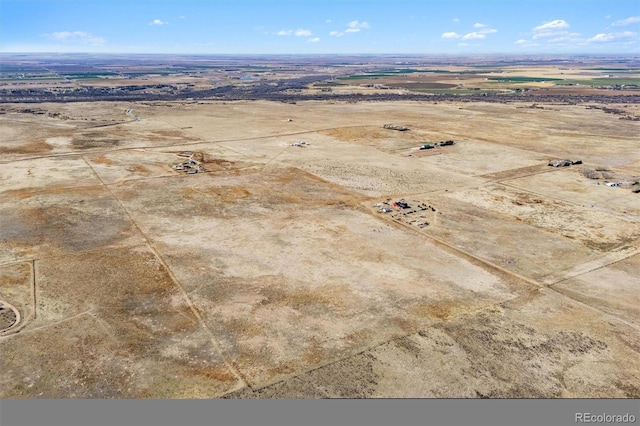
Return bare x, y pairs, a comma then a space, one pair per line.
590, 173
607, 176
603, 169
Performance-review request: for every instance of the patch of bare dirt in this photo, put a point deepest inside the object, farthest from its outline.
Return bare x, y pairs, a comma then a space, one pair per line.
419, 85
101, 159
34, 147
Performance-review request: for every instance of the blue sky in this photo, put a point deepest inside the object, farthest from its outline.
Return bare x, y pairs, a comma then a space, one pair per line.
300, 26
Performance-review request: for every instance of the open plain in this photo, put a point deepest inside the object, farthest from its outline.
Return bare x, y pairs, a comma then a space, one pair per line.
204, 248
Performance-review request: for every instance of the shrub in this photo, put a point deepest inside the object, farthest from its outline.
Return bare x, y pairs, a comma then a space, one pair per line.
590, 173
607, 175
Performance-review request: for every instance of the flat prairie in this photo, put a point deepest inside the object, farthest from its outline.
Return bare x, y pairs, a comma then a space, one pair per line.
257, 249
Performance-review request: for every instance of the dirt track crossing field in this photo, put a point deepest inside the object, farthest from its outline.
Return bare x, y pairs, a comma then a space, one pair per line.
276, 272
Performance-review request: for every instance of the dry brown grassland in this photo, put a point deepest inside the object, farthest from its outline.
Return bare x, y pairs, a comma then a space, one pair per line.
272, 272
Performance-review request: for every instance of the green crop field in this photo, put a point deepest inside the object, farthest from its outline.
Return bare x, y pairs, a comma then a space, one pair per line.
605, 81
328, 84
86, 75
394, 71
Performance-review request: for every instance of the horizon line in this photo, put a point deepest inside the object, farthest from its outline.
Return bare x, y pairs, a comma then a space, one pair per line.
328, 54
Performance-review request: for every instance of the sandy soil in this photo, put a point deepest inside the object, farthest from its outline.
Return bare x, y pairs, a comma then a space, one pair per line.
275, 275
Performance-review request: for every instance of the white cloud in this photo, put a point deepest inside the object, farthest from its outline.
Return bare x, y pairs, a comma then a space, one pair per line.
559, 39
473, 36
76, 37
546, 34
313, 40
352, 28
450, 34
554, 33
525, 43
158, 22
567, 37
63, 35
300, 32
456, 20
357, 25
623, 22
552, 25
482, 31
602, 37
463, 44
328, 21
